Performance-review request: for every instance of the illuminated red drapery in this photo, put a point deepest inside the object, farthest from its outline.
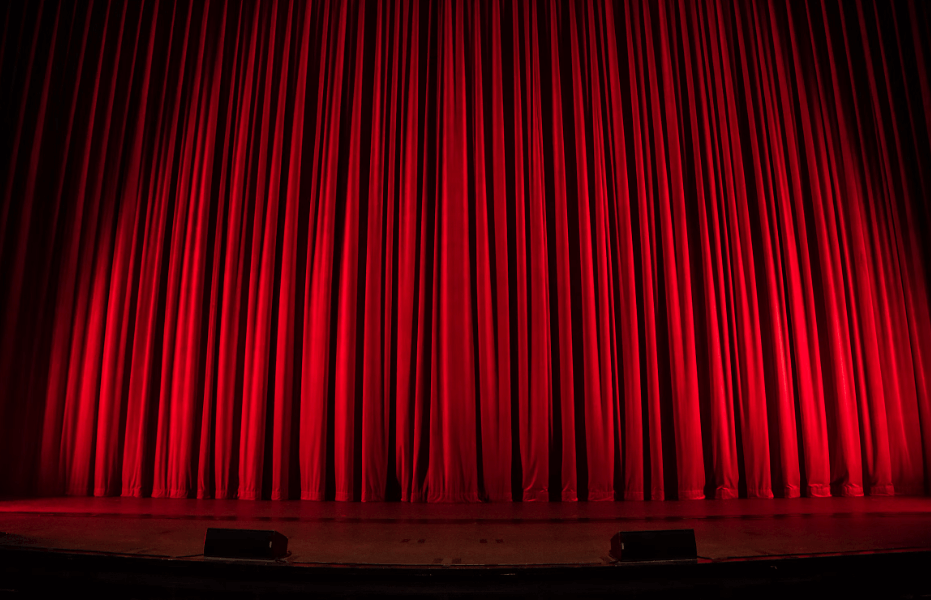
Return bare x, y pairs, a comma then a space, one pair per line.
458, 251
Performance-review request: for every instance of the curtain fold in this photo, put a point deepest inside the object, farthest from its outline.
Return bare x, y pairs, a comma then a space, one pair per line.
465, 251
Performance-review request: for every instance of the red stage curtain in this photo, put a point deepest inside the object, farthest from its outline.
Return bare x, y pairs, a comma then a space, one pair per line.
463, 251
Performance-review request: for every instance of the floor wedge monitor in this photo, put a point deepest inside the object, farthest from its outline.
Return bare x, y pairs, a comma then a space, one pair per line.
669, 544
256, 544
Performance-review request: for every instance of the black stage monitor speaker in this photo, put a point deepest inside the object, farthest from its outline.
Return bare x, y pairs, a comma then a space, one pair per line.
670, 544
245, 543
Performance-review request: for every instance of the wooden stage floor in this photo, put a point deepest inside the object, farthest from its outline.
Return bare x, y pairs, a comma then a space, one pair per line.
152, 548
445, 536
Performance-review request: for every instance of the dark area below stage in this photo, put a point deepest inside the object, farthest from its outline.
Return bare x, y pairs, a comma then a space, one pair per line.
32, 573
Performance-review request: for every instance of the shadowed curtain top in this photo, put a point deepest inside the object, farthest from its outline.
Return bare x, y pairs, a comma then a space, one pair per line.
463, 251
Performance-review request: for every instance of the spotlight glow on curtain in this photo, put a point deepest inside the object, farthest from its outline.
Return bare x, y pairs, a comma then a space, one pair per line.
456, 251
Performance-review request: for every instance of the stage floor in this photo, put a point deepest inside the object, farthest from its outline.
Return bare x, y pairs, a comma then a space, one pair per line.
444, 536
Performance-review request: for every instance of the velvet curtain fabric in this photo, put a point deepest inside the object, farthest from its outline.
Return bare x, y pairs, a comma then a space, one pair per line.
464, 251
